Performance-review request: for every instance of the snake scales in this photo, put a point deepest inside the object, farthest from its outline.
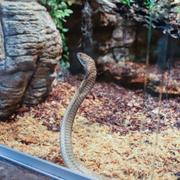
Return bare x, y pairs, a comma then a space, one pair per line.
67, 122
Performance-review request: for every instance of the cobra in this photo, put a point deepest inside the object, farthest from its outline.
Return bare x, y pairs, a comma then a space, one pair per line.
68, 119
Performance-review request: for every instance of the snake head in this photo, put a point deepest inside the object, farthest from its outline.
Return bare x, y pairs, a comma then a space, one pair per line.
82, 59
88, 64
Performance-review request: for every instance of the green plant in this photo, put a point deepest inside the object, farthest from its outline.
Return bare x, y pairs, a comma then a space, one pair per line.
59, 10
127, 2
149, 3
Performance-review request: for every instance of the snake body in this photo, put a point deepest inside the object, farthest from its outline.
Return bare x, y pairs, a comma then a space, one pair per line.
68, 119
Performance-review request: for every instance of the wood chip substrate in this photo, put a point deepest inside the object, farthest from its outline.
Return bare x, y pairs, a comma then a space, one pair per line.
113, 142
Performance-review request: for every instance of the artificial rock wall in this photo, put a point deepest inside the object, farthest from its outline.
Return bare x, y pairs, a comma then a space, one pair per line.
30, 47
112, 35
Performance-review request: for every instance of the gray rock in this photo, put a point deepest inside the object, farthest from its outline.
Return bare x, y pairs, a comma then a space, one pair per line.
121, 54
30, 47
119, 32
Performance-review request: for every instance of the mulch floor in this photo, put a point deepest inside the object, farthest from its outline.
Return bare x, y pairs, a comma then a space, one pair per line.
119, 132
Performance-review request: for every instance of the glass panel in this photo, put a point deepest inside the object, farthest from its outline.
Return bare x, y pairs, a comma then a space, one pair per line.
9, 170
